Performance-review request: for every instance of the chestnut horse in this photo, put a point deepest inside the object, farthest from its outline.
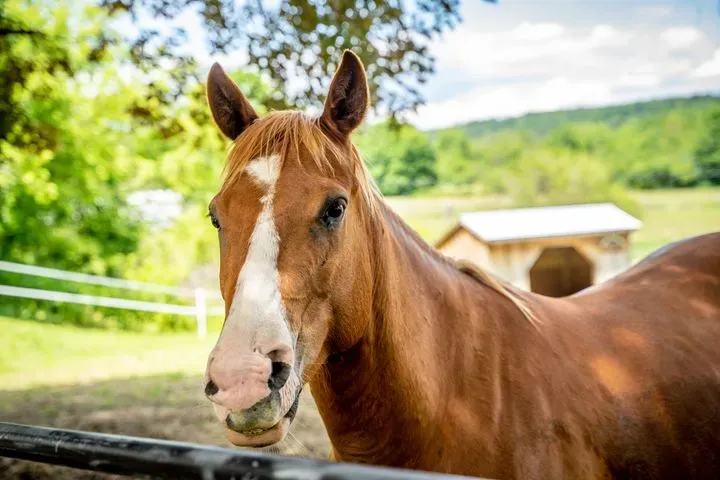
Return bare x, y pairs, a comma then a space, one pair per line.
417, 362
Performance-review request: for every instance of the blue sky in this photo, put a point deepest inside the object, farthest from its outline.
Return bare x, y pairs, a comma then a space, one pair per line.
520, 56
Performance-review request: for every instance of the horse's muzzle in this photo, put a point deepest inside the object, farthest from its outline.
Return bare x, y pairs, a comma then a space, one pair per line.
262, 424
260, 417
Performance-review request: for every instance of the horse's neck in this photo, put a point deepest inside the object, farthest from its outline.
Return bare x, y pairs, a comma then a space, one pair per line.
392, 397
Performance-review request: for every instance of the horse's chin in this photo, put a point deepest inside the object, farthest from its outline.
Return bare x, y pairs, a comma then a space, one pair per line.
263, 438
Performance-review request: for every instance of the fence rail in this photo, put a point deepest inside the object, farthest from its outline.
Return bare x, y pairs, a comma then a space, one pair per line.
176, 460
200, 310
94, 279
79, 298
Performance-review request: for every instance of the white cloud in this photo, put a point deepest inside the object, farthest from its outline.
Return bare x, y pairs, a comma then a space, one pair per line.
549, 66
481, 53
506, 101
679, 38
638, 80
537, 31
711, 68
606, 36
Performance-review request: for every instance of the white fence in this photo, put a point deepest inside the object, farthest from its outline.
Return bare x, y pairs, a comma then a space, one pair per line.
200, 310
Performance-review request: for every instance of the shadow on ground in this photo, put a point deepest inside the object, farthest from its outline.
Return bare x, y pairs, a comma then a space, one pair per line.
170, 407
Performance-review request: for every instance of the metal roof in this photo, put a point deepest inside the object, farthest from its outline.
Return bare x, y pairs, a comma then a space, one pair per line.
548, 222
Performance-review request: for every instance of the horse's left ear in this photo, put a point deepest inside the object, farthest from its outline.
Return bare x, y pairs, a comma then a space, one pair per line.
347, 100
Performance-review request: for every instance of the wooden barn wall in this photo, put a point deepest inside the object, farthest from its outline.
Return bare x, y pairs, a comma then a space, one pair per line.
513, 260
463, 246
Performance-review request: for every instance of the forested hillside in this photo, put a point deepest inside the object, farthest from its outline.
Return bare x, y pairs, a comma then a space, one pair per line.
613, 116
558, 157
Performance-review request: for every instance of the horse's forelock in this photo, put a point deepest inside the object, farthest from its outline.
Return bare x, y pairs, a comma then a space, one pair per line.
281, 132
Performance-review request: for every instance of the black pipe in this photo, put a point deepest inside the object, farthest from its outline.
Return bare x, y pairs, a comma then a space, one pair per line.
176, 460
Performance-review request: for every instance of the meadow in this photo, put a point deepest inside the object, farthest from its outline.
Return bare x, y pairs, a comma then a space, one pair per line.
151, 384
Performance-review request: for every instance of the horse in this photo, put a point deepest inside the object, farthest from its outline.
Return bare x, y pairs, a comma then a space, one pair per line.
420, 362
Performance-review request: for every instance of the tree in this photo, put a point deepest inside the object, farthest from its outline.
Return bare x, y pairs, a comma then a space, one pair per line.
63, 168
643, 145
81, 131
303, 39
456, 164
552, 177
400, 160
66, 160
20, 43
657, 151
707, 155
585, 137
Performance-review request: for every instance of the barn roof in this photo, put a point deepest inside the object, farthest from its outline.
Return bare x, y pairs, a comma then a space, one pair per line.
546, 222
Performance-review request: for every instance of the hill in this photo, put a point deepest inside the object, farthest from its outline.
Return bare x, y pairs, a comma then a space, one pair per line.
613, 116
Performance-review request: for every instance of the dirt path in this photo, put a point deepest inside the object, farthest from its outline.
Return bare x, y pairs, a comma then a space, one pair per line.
169, 407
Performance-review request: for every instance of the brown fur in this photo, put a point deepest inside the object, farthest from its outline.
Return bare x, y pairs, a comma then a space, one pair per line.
417, 363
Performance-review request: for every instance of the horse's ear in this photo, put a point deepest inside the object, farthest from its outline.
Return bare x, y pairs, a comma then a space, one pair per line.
347, 100
230, 109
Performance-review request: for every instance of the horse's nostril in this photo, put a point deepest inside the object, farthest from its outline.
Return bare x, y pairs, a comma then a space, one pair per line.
279, 376
211, 389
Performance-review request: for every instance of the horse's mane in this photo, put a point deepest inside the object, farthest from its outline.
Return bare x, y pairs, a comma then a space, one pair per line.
496, 284
473, 271
285, 131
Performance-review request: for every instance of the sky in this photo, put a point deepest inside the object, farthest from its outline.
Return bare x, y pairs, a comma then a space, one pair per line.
519, 56
515, 57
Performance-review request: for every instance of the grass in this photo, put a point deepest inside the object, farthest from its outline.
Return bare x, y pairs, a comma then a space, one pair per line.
33, 353
668, 215
431, 217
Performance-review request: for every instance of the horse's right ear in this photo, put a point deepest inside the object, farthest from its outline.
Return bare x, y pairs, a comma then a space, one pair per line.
230, 109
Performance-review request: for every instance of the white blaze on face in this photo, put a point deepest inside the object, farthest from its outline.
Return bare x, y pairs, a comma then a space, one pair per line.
257, 314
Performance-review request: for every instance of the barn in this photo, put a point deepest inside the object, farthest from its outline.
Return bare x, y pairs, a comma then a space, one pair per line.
554, 251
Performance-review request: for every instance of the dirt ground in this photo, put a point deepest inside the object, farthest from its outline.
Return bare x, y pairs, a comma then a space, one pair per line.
169, 407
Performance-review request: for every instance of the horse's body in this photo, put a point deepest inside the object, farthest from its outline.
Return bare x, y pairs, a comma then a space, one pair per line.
622, 380
415, 362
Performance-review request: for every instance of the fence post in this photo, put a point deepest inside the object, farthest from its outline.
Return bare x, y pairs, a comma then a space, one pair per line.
201, 312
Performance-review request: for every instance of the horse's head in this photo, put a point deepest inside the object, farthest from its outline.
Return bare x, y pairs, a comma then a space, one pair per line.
291, 217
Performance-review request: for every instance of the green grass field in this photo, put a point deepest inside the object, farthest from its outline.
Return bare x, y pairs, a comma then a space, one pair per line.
667, 215
33, 353
670, 215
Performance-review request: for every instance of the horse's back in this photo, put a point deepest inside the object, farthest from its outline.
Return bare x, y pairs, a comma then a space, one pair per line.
670, 301
701, 253
657, 336
688, 269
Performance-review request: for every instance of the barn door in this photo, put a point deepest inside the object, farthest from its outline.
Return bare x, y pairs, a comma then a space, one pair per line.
560, 271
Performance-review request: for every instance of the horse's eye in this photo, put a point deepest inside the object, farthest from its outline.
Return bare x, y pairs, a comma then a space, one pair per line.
214, 221
333, 213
